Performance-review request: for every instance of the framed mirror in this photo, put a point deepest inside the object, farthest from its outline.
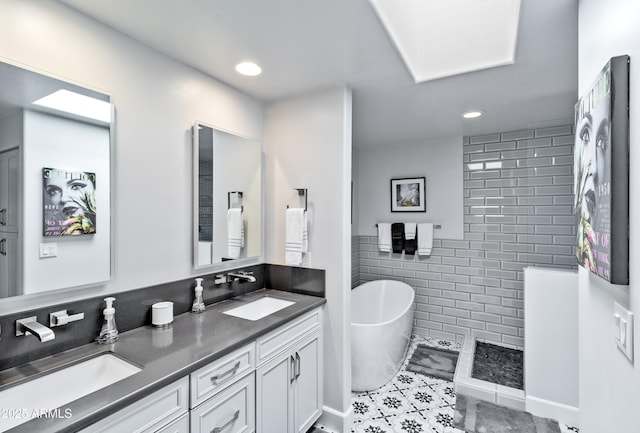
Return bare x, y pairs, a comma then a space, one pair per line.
227, 202
55, 184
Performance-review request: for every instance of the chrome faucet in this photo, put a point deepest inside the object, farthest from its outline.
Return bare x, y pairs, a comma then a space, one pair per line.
30, 326
241, 275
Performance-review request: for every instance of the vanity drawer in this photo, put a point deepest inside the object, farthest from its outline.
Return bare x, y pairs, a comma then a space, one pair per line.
233, 410
211, 378
149, 414
278, 340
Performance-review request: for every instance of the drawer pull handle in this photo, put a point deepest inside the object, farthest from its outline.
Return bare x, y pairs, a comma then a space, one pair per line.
3, 214
297, 365
227, 424
3, 247
231, 371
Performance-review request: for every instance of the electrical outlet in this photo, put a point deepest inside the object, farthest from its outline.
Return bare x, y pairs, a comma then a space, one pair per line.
623, 329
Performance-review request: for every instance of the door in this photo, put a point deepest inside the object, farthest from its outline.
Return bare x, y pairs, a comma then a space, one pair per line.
9, 177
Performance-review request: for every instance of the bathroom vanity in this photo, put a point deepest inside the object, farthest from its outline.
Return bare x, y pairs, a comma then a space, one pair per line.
208, 372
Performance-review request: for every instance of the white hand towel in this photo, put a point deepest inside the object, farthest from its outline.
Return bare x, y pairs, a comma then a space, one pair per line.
235, 233
425, 239
384, 237
295, 236
410, 231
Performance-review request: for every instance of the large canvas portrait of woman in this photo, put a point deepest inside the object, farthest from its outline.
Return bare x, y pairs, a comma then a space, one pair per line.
601, 178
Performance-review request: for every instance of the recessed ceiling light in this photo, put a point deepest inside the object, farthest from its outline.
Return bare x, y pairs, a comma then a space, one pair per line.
248, 68
472, 114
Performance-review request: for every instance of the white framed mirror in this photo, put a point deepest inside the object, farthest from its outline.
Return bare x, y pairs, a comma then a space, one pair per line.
227, 200
55, 184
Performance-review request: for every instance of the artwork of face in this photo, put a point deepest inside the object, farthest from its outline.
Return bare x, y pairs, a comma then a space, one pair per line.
69, 202
592, 177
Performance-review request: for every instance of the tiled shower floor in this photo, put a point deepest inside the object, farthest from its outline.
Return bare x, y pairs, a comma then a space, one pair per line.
411, 402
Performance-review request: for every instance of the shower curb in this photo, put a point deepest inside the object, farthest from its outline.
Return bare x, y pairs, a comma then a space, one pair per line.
463, 383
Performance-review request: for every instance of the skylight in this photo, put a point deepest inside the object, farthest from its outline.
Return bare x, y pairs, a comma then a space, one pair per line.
440, 38
75, 103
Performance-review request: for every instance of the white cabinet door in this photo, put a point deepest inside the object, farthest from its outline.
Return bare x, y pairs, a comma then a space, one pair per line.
274, 395
9, 265
308, 382
9, 178
289, 386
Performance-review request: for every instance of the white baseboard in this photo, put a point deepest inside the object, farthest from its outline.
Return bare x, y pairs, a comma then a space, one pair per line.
335, 420
569, 415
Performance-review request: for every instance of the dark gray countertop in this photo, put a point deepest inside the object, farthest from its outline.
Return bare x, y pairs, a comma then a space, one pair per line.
166, 355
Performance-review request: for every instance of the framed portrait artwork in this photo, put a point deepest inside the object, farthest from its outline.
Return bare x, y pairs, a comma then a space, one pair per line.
601, 174
69, 202
408, 195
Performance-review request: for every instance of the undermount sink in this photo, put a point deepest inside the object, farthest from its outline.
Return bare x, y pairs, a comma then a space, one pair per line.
259, 308
62, 386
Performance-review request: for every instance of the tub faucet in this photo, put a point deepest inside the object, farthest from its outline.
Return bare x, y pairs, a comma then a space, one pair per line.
242, 275
30, 325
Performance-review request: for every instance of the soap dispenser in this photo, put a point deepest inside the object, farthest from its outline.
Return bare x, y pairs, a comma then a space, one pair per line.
198, 302
109, 332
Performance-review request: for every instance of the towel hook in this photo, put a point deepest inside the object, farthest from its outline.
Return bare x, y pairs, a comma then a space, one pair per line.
239, 199
302, 192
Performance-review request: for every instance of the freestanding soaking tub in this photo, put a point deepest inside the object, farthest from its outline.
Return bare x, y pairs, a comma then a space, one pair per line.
381, 323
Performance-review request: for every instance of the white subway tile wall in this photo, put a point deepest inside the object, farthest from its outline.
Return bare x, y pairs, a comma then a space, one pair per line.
517, 212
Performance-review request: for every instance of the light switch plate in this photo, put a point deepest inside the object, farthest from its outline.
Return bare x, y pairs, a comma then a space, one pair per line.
48, 249
623, 329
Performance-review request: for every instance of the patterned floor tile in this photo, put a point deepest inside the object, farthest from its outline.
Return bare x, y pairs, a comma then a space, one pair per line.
410, 402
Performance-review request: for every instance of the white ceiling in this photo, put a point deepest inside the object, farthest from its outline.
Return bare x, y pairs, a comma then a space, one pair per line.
307, 45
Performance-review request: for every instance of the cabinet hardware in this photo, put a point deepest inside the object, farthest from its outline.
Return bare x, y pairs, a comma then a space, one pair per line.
3, 217
231, 371
297, 365
227, 424
293, 368
3, 246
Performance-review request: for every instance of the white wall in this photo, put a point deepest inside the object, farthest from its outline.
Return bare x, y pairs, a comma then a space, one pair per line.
308, 145
440, 161
56, 142
610, 384
157, 100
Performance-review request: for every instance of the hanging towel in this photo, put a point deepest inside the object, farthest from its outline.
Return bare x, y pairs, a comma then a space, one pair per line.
425, 239
384, 237
295, 244
410, 230
235, 232
410, 241
397, 237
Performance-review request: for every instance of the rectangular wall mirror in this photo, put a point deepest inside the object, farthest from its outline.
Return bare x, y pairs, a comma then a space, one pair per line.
227, 206
55, 184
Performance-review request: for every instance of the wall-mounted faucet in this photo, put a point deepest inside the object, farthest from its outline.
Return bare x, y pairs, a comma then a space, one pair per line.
242, 276
30, 326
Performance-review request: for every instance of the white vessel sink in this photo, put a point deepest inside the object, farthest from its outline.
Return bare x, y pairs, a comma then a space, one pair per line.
62, 386
259, 308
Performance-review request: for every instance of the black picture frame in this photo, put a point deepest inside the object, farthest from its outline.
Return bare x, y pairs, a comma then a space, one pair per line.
408, 194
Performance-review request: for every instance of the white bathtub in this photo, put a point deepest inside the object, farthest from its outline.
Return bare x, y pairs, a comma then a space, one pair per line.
381, 323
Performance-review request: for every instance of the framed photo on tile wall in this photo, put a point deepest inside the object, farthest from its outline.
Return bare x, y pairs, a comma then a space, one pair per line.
601, 174
408, 195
